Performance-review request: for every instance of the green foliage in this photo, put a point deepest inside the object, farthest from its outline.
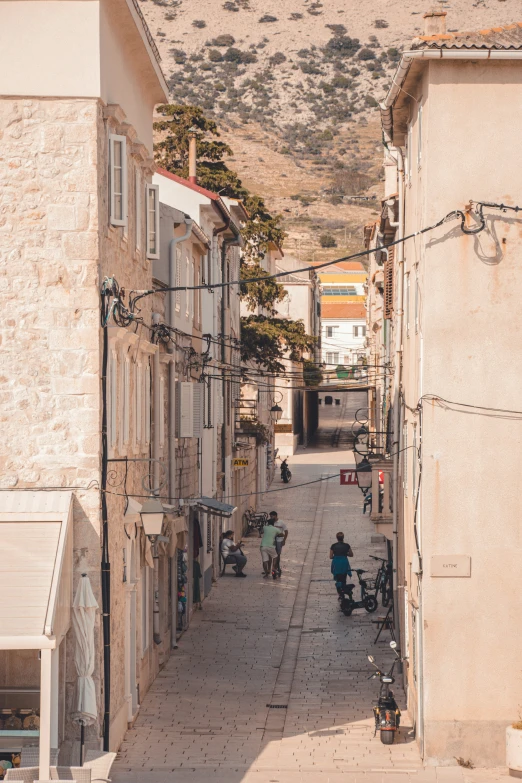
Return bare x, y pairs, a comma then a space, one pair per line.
393, 54
171, 152
371, 102
267, 341
312, 373
294, 16
215, 56
199, 23
380, 24
223, 40
265, 293
268, 18
341, 46
366, 54
233, 55
327, 240
337, 29
277, 58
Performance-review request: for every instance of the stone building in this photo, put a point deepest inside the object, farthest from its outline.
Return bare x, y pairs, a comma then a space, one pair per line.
445, 406
79, 213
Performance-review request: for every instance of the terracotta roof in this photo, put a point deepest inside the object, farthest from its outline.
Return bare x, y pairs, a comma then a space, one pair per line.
505, 37
204, 192
347, 310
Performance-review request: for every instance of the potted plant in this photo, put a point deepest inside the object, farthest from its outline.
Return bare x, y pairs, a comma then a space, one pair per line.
514, 749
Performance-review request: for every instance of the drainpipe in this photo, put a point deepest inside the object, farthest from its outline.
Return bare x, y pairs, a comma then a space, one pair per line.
226, 244
172, 403
397, 380
156, 635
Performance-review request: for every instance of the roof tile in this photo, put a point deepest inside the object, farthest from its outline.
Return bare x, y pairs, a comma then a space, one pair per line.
501, 37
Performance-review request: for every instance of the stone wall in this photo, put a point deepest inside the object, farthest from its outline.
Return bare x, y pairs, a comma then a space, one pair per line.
49, 312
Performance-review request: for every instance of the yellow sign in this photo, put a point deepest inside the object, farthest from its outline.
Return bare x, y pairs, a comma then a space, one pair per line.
240, 463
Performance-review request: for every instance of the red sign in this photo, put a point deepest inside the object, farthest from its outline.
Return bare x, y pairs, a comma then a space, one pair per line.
348, 477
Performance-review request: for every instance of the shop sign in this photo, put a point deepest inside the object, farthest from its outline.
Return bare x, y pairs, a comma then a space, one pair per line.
451, 565
348, 477
240, 463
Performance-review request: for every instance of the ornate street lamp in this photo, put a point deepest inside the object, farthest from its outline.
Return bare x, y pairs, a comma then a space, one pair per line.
276, 412
363, 471
152, 514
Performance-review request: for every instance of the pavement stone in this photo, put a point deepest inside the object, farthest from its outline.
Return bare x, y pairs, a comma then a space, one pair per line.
263, 642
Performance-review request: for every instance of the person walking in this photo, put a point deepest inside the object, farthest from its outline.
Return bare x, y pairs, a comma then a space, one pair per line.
280, 540
229, 549
268, 549
340, 565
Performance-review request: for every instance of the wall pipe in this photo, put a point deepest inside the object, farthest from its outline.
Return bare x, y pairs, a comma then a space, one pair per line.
172, 405
397, 379
156, 411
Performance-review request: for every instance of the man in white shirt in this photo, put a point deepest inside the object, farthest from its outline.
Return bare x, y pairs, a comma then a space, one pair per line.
232, 552
280, 540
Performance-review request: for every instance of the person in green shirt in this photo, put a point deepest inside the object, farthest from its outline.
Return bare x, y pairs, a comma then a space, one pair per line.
268, 547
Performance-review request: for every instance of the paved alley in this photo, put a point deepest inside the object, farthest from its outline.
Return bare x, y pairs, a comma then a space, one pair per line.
270, 683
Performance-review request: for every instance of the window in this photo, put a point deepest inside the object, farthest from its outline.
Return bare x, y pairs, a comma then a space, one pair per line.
419, 137
178, 277
118, 179
137, 208
126, 402
417, 296
197, 296
414, 463
409, 152
188, 283
407, 302
339, 290
359, 331
113, 398
138, 405
347, 359
162, 412
145, 599
332, 357
146, 403
152, 198
331, 330
405, 458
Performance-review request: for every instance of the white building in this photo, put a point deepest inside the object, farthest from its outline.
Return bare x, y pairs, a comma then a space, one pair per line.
343, 333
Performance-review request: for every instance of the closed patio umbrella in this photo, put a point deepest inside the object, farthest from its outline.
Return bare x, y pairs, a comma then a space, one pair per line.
83, 619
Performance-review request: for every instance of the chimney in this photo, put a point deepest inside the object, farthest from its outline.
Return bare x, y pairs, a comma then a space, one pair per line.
192, 155
435, 21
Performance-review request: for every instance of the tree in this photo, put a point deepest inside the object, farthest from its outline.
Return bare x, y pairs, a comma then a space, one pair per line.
267, 341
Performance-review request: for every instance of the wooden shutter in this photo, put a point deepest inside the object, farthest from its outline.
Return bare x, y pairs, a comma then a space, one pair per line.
198, 396
185, 410
388, 284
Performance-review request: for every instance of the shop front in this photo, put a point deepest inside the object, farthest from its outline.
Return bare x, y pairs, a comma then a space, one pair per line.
35, 615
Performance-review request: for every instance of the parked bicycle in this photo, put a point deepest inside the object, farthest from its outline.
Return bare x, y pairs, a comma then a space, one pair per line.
384, 580
348, 602
254, 521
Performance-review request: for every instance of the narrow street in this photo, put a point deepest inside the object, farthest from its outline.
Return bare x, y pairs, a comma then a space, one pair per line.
270, 683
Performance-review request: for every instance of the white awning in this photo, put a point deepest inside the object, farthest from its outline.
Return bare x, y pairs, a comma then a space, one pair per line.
35, 568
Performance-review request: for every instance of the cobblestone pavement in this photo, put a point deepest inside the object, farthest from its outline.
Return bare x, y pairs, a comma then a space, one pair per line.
281, 643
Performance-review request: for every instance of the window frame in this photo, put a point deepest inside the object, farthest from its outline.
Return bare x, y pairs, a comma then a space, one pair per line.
114, 220
152, 253
138, 239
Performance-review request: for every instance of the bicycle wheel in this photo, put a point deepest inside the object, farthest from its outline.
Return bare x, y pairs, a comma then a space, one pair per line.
386, 593
370, 603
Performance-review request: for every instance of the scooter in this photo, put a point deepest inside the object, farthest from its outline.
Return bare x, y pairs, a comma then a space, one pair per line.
285, 471
348, 602
366, 586
386, 712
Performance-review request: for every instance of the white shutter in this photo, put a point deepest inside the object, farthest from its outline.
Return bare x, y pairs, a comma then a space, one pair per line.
185, 410
152, 222
118, 179
147, 401
178, 277
198, 392
219, 404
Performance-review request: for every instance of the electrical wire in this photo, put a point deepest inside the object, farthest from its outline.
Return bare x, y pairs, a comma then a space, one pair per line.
453, 215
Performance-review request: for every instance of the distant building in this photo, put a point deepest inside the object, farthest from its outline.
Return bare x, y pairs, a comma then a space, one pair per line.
343, 334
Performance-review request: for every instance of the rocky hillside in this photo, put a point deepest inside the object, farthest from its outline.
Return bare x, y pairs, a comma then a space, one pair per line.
294, 85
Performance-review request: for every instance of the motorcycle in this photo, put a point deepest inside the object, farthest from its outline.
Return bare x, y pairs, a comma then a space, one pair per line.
285, 471
386, 712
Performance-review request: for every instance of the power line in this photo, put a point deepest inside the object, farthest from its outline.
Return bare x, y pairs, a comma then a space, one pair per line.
454, 215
